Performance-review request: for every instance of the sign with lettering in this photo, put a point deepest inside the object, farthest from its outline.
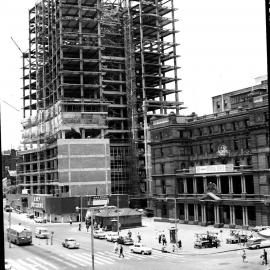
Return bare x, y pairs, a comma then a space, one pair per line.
214, 168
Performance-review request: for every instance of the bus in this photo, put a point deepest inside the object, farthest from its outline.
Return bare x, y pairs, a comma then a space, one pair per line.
19, 235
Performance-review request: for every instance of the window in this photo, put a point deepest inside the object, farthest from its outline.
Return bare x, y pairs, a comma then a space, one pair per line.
247, 143
160, 135
200, 132
162, 168
190, 133
266, 118
234, 125
211, 147
181, 134
235, 144
221, 128
237, 161
225, 104
163, 186
246, 122
161, 152
249, 161
210, 130
218, 105
200, 149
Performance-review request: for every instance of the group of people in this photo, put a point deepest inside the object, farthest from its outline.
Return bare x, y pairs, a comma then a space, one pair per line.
263, 257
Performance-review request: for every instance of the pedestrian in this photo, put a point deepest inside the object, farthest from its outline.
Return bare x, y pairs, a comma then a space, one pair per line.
179, 244
115, 247
244, 255
87, 227
129, 234
121, 251
159, 239
265, 256
70, 222
80, 227
173, 248
139, 237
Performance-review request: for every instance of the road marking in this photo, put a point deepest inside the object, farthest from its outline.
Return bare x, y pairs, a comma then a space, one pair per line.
96, 259
63, 261
25, 264
114, 256
101, 256
80, 261
45, 262
17, 265
37, 264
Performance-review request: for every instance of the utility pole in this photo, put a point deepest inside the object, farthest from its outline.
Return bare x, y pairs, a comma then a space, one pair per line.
81, 212
9, 226
118, 214
92, 239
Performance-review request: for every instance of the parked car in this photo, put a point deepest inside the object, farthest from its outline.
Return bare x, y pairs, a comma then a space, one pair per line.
41, 232
39, 220
141, 248
99, 234
19, 211
233, 239
258, 243
125, 240
70, 243
259, 228
31, 216
112, 236
8, 208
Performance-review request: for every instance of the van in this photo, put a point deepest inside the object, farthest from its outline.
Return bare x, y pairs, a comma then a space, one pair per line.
258, 243
41, 232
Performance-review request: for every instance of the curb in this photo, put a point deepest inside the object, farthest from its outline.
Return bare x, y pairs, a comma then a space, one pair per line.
191, 253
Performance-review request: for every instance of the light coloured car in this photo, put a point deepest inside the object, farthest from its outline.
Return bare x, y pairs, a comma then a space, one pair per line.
41, 232
70, 243
141, 248
258, 243
112, 236
39, 220
99, 234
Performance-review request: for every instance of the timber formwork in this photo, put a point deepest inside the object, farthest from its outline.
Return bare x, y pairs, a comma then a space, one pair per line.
98, 69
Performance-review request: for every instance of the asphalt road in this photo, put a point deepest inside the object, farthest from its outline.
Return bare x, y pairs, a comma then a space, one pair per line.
45, 256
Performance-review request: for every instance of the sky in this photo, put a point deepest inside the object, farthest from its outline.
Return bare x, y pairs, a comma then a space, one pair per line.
222, 49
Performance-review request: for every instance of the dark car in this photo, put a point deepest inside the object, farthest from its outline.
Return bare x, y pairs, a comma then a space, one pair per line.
8, 208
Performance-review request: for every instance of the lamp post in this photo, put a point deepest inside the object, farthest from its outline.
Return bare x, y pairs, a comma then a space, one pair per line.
92, 233
117, 214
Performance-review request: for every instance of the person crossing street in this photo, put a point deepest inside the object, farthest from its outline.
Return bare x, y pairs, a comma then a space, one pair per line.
121, 253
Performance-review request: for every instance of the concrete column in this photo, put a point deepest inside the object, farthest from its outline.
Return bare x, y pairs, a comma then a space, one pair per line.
63, 134
203, 213
194, 186
243, 184
185, 185
204, 184
217, 214
230, 185
218, 185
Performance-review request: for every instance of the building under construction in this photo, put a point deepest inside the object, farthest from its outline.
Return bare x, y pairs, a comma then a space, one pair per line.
95, 72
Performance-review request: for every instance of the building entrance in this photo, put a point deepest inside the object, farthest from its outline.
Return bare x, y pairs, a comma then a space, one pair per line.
210, 217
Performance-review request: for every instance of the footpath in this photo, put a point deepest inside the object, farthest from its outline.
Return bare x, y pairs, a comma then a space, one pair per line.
186, 233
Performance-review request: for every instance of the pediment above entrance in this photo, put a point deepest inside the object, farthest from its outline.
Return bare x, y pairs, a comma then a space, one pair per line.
210, 196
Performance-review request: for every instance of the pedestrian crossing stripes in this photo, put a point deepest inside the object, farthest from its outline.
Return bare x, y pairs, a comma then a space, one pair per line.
73, 260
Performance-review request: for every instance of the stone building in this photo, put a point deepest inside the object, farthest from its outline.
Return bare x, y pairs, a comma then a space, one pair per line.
214, 169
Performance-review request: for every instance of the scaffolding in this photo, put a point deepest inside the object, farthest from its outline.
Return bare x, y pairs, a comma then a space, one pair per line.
101, 69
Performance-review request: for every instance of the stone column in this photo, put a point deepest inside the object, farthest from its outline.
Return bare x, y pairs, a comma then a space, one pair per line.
186, 212
196, 213
204, 184
83, 133
244, 215
243, 184
203, 210
63, 134
185, 185
218, 185
232, 216
230, 185
194, 186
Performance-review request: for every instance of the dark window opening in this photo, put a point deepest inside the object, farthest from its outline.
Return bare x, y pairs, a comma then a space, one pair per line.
249, 184
180, 186
163, 186
224, 182
189, 185
235, 144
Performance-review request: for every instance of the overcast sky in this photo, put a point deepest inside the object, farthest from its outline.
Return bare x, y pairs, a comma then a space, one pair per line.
222, 48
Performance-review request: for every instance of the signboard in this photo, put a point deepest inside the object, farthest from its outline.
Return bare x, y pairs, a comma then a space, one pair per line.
214, 168
100, 202
37, 203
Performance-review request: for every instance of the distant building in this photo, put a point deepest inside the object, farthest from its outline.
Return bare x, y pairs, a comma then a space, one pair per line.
9, 159
215, 169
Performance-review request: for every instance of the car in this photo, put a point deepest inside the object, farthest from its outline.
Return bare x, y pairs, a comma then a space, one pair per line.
8, 208
141, 248
70, 243
99, 234
39, 220
125, 240
112, 236
41, 232
260, 228
18, 211
256, 243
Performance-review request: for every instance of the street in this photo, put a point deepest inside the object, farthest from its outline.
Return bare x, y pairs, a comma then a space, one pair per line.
44, 256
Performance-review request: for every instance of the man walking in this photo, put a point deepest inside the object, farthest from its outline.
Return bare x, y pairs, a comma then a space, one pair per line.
244, 255
121, 251
265, 256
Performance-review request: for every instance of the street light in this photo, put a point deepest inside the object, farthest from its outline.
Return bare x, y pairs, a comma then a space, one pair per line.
92, 233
